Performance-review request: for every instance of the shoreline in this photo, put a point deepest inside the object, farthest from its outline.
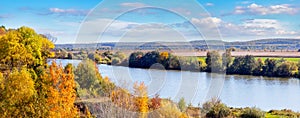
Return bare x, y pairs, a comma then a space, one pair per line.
120, 65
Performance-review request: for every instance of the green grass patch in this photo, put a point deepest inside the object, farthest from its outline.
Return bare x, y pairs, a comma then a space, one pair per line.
278, 58
269, 115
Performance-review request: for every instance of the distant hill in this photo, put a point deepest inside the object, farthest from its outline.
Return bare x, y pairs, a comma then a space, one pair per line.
269, 44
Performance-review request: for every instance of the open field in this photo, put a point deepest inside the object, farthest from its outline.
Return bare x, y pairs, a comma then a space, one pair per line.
264, 58
293, 55
290, 54
277, 58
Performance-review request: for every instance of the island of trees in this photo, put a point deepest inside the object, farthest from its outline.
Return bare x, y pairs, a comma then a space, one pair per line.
30, 87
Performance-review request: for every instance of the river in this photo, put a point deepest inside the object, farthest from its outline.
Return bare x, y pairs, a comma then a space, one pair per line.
197, 87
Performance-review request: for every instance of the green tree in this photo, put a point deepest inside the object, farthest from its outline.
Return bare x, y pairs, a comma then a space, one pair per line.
70, 55
135, 59
259, 67
90, 81
182, 105
120, 55
151, 58
174, 62
286, 69
235, 67
227, 59
270, 67
248, 65
214, 62
118, 58
243, 65
87, 77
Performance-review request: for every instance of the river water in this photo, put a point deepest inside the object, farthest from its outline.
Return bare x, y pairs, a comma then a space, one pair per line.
197, 87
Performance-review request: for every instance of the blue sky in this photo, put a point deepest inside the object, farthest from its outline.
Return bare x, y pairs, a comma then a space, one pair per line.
89, 21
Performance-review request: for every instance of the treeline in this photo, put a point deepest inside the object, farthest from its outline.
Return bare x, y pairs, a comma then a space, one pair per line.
166, 60
214, 62
218, 63
99, 57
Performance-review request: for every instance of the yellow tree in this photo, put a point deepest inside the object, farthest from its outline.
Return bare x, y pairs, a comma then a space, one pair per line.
23, 46
62, 94
164, 55
16, 94
141, 99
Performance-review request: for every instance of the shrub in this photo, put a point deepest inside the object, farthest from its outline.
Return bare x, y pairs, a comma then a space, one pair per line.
285, 112
252, 113
216, 109
168, 110
182, 105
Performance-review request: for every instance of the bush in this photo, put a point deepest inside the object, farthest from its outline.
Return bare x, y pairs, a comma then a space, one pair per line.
182, 105
168, 110
116, 61
252, 113
214, 62
216, 109
285, 112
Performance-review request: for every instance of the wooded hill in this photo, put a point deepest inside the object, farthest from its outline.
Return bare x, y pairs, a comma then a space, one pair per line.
262, 44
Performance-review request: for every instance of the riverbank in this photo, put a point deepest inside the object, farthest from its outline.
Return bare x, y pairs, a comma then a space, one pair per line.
261, 66
103, 106
237, 90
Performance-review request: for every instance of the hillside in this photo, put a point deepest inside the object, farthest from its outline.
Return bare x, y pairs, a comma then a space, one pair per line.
262, 44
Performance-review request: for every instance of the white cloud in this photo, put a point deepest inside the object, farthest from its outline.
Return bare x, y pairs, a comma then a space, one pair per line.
132, 4
267, 27
256, 9
259, 28
208, 26
262, 23
206, 21
110, 30
68, 11
209, 4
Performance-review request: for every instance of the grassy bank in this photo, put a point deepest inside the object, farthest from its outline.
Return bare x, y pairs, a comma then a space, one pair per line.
98, 107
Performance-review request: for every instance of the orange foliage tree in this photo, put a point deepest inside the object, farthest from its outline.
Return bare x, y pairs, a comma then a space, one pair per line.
61, 91
164, 55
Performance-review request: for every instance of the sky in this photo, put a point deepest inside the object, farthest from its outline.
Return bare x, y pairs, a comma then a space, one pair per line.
88, 21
